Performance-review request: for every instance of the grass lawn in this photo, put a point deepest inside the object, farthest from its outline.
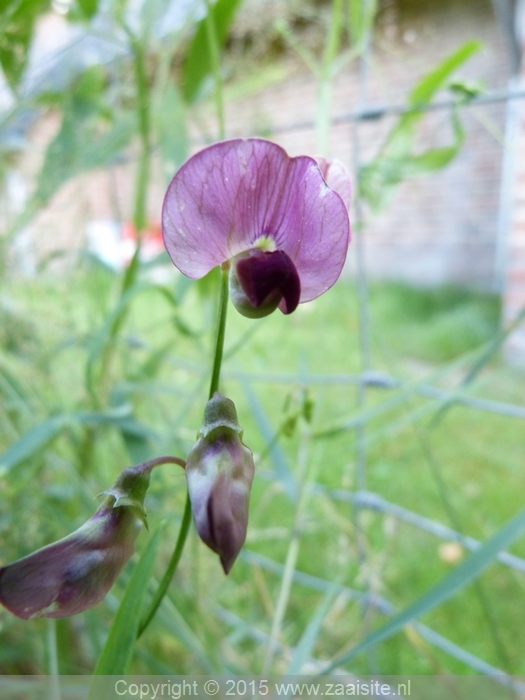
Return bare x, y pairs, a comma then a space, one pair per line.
295, 383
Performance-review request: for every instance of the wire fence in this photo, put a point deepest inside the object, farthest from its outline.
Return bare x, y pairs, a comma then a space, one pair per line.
491, 138
485, 137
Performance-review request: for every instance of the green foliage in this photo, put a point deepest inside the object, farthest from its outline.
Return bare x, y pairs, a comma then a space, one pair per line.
456, 580
17, 21
198, 62
401, 311
91, 134
116, 655
98, 370
396, 160
186, 635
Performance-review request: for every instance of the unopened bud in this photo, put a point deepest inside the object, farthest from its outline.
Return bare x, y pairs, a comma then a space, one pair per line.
76, 572
219, 473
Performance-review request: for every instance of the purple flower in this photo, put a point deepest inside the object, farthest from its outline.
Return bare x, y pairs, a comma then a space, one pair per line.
219, 473
76, 572
275, 217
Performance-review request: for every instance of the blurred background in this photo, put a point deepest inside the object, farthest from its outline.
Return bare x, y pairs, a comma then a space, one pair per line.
386, 417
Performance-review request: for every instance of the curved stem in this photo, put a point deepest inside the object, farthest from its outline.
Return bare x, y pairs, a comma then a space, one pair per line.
156, 461
186, 518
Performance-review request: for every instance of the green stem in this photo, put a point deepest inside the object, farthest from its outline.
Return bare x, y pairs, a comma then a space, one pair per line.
156, 461
186, 518
306, 476
213, 46
161, 590
324, 94
221, 329
140, 199
53, 659
170, 571
143, 116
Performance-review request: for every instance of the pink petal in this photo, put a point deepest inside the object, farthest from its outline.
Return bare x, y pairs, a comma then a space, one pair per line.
232, 193
337, 178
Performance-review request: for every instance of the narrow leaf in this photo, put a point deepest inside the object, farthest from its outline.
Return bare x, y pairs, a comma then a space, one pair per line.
433, 81
37, 438
304, 649
282, 469
118, 649
31, 442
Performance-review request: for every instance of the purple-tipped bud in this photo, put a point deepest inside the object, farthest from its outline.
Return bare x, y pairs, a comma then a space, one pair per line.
76, 572
219, 472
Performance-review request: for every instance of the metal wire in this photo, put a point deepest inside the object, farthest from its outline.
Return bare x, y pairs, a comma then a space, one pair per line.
385, 607
375, 112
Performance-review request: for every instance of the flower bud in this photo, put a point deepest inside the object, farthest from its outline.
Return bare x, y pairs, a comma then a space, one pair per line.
76, 572
219, 473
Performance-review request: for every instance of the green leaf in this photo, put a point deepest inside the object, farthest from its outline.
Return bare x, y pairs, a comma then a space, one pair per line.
198, 63
360, 19
90, 136
395, 161
435, 80
41, 435
116, 654
282, 469
17, 21
113, 323
31, 442
455, 581
88, 8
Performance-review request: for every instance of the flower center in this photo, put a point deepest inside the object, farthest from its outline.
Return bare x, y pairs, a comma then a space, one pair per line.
265, 243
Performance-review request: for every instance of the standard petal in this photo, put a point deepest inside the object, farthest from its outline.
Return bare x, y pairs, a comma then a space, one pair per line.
319, 245
231, 195
337, 178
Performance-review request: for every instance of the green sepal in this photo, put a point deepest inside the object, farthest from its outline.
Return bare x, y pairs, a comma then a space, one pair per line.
220, 412
130, 489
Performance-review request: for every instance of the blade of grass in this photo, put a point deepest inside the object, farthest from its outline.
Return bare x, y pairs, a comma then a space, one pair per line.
456, 580
282, 469
118, 649
304, 649
35, 439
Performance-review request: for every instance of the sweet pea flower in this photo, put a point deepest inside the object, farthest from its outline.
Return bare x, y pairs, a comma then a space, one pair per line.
283, 229
76, 572
219, 474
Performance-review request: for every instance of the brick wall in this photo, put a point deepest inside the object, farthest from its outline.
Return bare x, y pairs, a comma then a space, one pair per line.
438, 228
